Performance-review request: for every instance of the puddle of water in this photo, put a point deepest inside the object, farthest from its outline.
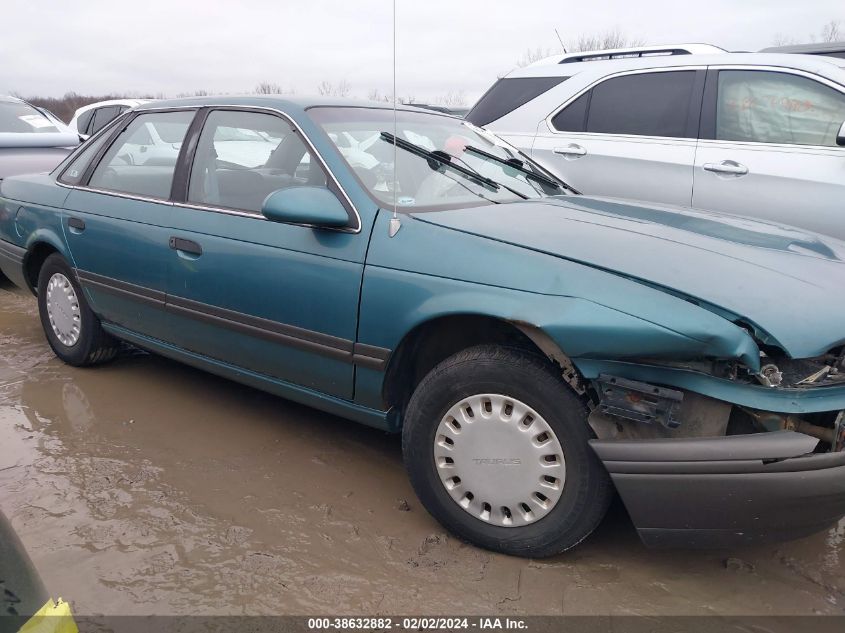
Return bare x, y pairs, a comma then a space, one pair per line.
147, 487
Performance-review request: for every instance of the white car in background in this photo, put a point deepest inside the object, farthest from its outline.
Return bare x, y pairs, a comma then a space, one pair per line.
92, 118
32, 139
158, 144
753, 134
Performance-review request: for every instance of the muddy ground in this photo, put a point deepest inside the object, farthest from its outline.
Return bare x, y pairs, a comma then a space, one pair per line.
146, 487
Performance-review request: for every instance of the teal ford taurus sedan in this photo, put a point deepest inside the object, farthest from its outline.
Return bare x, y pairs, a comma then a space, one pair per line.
536, 349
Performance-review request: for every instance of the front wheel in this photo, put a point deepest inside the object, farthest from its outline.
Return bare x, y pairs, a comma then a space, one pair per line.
72, 329
495, 444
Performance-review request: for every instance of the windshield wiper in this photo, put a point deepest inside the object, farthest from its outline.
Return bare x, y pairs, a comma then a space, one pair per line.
442, 158
516, 164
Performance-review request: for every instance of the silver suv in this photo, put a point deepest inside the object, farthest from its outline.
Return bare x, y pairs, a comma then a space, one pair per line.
754, 134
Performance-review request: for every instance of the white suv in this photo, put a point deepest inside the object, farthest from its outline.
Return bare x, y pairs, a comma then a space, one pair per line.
754, 134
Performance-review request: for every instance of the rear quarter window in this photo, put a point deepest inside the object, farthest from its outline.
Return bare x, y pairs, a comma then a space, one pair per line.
506, 95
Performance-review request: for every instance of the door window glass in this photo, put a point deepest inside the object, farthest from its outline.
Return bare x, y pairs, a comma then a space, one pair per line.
772, 107
72, 175
83, 122
242, 157
573, 117
143, 157
645, 104
102, 116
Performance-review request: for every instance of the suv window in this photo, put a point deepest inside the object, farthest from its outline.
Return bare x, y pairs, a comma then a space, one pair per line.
83, 121
102, 116
644, 104
772, 107
242, 157
573, 117
506, 95
133, 165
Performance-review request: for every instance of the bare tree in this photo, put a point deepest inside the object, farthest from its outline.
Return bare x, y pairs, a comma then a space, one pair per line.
453, 99
585, 42
601, 41
195, 93
329, 89
268, 88
831, 32
782, 40
375, 95
532, 55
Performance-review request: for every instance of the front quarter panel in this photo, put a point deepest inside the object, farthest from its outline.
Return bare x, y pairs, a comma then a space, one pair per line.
426, 272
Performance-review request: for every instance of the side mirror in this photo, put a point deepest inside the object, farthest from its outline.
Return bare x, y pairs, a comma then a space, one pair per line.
840, 136
305, 205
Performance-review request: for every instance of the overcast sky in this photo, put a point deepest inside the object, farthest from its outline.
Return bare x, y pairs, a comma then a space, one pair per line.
50, 47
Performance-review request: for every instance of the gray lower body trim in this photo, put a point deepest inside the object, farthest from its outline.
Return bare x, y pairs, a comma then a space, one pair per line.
12, 253
326, 345
122, 289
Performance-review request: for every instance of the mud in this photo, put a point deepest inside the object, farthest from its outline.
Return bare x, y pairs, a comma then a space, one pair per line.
146, 487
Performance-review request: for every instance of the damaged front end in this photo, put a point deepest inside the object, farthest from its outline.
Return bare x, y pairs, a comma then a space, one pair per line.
765, 461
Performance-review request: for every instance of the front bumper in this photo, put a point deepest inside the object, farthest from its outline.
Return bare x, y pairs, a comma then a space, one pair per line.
726, 491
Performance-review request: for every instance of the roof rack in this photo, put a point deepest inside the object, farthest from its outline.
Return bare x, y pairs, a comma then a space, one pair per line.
639, 51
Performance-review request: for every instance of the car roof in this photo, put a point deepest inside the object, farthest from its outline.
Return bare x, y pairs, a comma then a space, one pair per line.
817, 48
817, 64
280, 102
631, 52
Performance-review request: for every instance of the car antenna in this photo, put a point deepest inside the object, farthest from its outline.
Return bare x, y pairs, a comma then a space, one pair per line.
395, 222
561, 42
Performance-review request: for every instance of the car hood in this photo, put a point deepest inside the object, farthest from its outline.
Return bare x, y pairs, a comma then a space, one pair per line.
786, 283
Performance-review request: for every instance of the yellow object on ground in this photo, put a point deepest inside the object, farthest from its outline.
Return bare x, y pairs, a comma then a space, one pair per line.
53, 617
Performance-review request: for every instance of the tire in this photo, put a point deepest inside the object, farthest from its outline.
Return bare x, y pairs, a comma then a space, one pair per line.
90, 345
584, 491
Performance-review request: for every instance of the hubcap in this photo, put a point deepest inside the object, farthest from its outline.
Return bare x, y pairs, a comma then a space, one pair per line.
63, 310
499, 460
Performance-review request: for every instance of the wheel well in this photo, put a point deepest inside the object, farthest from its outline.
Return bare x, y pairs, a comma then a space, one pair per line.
39, 252
434, 341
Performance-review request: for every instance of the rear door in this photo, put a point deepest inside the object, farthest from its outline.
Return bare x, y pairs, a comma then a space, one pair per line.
631, 135
277, 299
115, 222
768, 148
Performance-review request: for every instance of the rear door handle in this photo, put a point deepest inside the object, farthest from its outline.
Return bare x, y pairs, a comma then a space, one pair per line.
570, 150
185, 246
726, 167
77, 225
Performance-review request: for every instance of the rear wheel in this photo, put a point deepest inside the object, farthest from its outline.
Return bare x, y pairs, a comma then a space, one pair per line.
495, 444
72, 329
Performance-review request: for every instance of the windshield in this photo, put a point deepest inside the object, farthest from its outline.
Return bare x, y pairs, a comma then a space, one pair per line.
17, 117
441, 162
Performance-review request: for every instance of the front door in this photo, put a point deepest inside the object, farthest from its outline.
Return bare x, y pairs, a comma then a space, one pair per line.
630, 136
276, 299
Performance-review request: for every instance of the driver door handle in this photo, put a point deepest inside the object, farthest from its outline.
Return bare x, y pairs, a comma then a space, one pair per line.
185, 246
726, 167
571, 150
